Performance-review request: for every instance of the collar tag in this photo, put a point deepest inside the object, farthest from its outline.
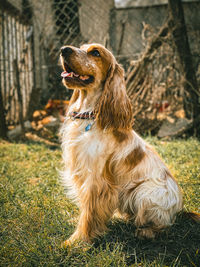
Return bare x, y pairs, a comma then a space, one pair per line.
88, 127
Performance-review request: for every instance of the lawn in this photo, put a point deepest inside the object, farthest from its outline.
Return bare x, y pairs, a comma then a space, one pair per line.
36, 216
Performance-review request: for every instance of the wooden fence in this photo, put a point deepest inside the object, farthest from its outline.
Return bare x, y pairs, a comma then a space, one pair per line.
16, 63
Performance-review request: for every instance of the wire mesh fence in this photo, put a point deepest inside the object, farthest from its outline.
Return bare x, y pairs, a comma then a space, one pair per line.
66, 20
127, 32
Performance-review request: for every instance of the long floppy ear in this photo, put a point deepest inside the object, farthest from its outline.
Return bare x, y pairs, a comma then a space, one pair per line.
114, 109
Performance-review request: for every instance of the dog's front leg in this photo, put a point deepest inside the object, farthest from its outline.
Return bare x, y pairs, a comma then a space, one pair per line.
97, 207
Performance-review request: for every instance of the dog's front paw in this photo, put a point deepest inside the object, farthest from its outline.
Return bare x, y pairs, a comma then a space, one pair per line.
75, 238
66, 244
72, 240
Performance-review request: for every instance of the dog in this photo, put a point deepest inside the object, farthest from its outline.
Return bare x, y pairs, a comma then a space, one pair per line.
109, 168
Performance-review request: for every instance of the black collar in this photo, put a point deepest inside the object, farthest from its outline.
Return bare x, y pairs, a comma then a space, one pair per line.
83, 116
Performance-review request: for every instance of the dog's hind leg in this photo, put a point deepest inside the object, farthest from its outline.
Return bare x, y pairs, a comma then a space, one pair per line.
152, 205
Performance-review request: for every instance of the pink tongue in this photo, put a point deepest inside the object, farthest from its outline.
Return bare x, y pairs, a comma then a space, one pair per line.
65, 74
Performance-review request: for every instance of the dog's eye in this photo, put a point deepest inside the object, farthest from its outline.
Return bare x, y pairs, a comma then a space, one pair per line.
95, 53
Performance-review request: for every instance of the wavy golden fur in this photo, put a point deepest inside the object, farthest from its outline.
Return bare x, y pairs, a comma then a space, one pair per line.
109, 168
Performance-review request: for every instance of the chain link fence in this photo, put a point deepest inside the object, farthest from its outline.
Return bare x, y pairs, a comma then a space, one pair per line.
126, 32
66, 19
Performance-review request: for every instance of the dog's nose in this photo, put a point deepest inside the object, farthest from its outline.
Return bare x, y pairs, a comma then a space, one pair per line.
66, 51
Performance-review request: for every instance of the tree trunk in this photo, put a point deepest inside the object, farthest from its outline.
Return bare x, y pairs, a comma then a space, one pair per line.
191, 93
3, 127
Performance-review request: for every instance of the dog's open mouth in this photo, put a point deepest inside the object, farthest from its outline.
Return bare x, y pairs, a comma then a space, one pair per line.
68, 74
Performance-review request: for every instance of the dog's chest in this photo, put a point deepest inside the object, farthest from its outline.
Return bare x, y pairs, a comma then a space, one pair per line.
85, 141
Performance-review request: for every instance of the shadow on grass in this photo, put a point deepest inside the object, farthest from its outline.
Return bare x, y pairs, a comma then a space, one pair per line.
180, 244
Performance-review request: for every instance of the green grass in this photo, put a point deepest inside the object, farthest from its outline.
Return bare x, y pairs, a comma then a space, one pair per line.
35, 215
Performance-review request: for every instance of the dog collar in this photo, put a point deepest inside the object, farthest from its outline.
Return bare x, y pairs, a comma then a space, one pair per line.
83, 116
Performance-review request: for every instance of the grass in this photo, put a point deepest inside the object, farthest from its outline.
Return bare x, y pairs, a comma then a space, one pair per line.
35, 215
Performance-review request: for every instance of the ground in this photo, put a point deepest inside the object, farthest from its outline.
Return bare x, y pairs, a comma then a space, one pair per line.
36, 216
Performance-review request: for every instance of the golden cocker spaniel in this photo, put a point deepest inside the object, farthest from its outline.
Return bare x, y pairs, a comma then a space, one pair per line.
108, 167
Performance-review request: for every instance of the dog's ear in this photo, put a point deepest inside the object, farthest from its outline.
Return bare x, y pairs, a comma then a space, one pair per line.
114, 109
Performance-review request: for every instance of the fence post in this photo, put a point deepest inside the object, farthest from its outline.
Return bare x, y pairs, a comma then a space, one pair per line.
17, 85
3, 127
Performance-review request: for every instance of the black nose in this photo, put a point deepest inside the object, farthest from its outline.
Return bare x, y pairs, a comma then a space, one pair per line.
66, 51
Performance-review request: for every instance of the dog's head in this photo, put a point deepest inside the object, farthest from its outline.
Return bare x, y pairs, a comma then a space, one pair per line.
85, 67
93, 68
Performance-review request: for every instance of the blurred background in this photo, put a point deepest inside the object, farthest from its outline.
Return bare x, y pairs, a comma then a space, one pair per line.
145, 37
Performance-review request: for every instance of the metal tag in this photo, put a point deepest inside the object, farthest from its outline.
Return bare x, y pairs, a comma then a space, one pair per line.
88, 127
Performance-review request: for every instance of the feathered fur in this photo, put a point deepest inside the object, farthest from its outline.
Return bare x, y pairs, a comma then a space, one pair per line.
110, 168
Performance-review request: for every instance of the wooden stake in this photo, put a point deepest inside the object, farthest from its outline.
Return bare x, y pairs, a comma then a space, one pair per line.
3, 127
17, 85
